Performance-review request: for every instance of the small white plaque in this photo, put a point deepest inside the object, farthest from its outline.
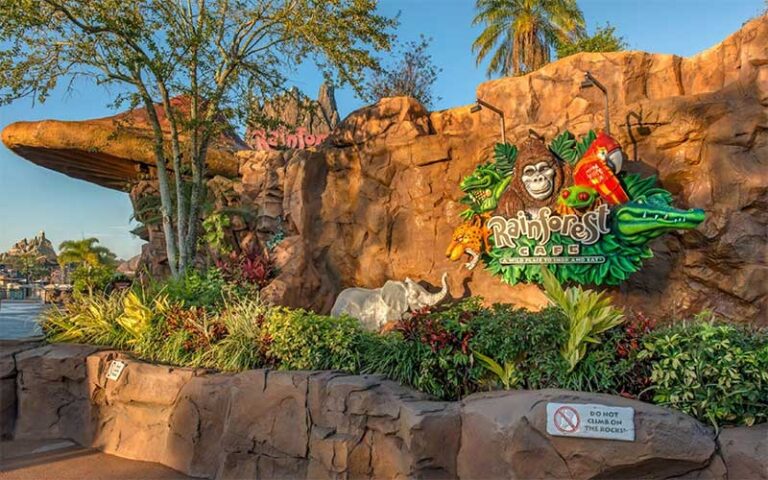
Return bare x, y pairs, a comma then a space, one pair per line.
115, 369
589, 420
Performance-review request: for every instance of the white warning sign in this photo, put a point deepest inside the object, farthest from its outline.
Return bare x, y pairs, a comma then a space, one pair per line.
115, 369
588, 420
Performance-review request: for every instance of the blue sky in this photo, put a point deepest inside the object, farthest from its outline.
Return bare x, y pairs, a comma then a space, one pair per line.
33, 198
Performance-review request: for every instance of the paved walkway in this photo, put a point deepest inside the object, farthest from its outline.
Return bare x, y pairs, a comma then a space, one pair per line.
64, 460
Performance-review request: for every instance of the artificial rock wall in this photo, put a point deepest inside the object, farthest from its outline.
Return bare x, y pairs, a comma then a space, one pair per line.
379, 200
269, 424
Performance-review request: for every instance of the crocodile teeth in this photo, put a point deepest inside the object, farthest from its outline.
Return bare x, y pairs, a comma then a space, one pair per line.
645, 214
655, 217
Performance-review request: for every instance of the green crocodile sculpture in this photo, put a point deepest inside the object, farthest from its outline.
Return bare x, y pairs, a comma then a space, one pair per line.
650, 214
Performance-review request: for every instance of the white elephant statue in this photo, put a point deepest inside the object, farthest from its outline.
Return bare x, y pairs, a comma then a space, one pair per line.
378, 306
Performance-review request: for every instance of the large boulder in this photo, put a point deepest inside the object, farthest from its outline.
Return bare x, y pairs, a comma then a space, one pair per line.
8, 373
53, 393
504, 435
745, 451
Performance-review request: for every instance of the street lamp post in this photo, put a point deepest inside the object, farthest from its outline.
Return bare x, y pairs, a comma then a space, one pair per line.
479, 105
590, 81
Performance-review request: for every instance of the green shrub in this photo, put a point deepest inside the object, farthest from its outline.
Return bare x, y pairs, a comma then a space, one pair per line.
87, 278
429, 351
528, 339
243, 347
716, 373
195, 289
302, 340
87, 319
589, 313
508, 375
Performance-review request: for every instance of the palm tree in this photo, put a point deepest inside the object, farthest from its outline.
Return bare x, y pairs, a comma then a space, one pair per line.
85, 252
523, 32
29, 264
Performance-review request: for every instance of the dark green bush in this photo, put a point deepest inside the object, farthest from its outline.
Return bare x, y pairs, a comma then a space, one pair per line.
716, 373
302, 340
528, 339
197, 289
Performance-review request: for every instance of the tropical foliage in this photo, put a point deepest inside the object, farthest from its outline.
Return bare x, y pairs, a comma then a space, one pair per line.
603, 40
589, 314
94, 265
716, 373
713, 372
202, 62
518, 35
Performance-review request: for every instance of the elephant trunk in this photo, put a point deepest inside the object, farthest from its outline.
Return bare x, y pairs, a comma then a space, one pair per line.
435, 298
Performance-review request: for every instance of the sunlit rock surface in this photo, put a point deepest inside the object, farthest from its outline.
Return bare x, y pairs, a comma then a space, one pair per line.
281, 424
380, 200
111, 151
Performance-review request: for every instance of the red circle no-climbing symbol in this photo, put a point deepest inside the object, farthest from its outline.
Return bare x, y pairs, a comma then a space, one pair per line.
566, 419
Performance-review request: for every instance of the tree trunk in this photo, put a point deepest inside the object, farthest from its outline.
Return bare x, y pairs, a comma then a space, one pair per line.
181, 201
166, 204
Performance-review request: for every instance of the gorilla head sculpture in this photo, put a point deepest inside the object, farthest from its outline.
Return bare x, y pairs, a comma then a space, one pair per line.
537, 179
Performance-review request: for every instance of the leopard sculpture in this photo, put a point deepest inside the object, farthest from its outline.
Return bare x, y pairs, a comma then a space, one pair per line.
470, 237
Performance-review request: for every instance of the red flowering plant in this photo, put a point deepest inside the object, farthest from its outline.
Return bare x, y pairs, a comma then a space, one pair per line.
637, 378
431, 329
246, 268
199, 327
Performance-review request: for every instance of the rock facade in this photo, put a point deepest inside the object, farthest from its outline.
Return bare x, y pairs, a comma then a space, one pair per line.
39, 246
274, 424
113, 152
379, 200
8, 374
293, 112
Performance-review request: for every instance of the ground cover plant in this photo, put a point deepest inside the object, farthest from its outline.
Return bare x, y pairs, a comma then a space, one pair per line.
715, 372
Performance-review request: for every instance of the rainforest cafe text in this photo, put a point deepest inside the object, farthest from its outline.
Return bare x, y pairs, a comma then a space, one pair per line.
586, 229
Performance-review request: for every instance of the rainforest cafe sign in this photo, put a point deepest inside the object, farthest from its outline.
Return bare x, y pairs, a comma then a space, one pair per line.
567, 205
586, 229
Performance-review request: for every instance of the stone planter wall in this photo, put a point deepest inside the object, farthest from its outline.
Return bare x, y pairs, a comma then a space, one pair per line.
269, 424
8, 373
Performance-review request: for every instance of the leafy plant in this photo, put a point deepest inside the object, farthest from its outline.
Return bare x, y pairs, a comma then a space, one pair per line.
603, 40
243, 347
246, 269
87, 319
508, 374
215, 232
430, 351
589, 313
197, 289
138, 313
87, 278
717, 373
303, 340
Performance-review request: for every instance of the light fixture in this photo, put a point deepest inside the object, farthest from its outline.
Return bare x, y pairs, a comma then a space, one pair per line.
590, 81
481, 104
